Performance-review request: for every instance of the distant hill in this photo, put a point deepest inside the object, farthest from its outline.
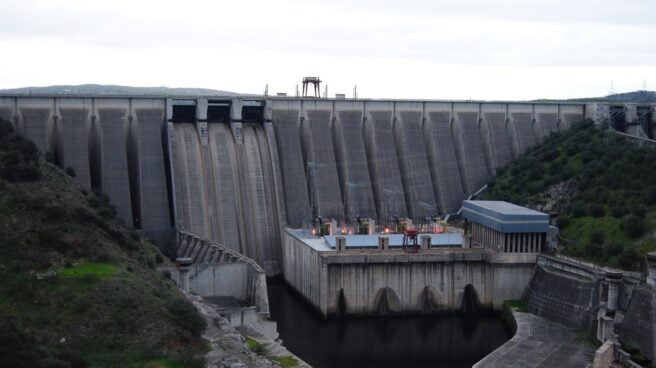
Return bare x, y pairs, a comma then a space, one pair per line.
635, 97
112, 90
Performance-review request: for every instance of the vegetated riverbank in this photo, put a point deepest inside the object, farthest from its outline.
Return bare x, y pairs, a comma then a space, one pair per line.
80, 289
445, 340
601, 185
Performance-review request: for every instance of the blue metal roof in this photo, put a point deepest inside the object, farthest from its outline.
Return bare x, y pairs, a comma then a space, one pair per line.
505, 217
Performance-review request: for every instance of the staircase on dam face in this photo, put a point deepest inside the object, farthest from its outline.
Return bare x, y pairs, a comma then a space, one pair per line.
212, 274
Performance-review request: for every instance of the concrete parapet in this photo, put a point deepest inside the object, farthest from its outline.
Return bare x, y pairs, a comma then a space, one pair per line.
383, 243
425, 242
651, 268
604, 356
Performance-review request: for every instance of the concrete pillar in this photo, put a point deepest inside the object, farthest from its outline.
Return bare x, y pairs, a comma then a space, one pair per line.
371, 223
261, 298
614, 279
184, 265
426, 242
383, 243
333, 227
651, 268
340, 243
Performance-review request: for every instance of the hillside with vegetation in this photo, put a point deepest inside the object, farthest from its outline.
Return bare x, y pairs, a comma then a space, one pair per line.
113, 90
78, 288
601, 187
638, 97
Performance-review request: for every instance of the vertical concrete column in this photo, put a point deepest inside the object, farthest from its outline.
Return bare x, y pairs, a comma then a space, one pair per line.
651, 268
383, 243
425, 242
340, 243
261, 298
371, 224
333, 227
184, 265
614, 279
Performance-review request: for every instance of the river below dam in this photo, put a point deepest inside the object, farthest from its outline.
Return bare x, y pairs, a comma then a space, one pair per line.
421, 341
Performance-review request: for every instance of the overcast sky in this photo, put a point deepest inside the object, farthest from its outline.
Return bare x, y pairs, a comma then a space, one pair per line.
428, 49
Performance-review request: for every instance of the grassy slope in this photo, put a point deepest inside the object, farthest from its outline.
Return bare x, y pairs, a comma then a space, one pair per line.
79, 288
610, 211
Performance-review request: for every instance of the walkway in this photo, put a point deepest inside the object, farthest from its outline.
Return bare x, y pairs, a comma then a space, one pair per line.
540, 343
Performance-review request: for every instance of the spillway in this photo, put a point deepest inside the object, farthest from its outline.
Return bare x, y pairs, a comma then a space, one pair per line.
238, 169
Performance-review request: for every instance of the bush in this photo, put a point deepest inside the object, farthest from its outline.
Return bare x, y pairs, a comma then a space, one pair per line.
17, 348
54, 212
596, 236
54, 363
613, 248
563, 221
75, 359
633, 225
70, 172
618, 211
628, 258
594, 250
578, 210
596, 210
187, 317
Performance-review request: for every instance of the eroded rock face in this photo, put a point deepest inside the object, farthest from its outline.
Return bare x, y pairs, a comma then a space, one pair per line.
228, 347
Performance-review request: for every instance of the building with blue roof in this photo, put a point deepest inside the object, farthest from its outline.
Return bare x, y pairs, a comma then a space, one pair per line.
505, 227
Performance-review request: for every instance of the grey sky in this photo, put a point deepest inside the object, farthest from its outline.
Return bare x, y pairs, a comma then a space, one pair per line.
396, 49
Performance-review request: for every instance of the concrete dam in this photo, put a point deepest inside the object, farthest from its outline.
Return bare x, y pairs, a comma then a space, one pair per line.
238, 170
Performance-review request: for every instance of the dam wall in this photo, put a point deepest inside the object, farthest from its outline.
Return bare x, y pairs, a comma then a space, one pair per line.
114, 145
235, 170
375, 282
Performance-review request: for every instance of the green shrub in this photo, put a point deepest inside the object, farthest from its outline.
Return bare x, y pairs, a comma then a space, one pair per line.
54, 213
628, 258
596, 210
578, 210
597, 236
187, 317
563, 221
254, 345
613, 248
17, 348
70, 172
633, 225
54, 363
594, 250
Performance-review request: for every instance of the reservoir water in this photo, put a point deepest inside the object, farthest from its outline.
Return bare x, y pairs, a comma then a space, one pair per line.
435, 341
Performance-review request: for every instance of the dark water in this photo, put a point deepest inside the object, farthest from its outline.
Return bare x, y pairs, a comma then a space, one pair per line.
438, 341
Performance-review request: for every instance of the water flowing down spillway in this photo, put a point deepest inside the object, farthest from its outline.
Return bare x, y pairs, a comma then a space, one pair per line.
428, 341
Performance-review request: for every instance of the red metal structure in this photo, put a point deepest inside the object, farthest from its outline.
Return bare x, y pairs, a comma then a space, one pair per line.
410, 241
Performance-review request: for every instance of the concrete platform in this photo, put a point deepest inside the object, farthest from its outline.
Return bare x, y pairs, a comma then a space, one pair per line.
540, 343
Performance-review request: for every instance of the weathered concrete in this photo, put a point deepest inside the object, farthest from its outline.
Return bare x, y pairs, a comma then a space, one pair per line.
237, 181
563, 296
540, 343
219, 271
395, 281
